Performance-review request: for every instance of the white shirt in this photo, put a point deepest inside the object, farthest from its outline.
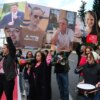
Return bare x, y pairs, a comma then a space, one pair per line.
64, 40
13, 15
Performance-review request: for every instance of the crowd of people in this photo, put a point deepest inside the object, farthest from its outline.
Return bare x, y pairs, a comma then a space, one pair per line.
35, 75
35, 70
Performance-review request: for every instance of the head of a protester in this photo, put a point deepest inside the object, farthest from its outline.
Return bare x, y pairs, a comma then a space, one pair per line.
99, 47
90, 58
63, 25
18, 52
35, 16
91, 22
14, 7
83, 47
39, 57
14, 33
88, 49
5, 49
29, 54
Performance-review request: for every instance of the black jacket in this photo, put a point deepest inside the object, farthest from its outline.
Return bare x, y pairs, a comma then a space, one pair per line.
9, 63
37, 80
63, 65
91, 73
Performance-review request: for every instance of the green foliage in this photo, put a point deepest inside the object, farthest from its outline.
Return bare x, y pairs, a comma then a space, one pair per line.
99, 39
2, 15
96, 8
22, 6
81, 12
0, 12
6, 8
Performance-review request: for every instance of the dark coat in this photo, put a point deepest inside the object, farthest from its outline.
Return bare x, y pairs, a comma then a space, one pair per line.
37, 80
9, 62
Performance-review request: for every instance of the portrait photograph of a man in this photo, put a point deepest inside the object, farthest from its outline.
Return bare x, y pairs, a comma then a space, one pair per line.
12, 14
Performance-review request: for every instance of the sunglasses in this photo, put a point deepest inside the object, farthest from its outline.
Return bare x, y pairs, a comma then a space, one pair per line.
36, 16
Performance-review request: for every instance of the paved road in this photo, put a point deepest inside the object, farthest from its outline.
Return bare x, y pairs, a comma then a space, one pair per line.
73, 80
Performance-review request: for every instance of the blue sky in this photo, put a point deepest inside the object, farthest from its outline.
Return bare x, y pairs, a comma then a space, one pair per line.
72, 5
89, 4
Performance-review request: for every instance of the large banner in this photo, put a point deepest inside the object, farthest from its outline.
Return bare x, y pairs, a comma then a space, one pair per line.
33, 25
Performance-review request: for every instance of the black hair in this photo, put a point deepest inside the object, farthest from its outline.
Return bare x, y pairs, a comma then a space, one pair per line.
6, 45
36, 8
27, 54
43, 57
19, 52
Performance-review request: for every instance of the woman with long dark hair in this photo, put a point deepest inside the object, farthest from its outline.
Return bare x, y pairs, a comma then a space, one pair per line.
37, 78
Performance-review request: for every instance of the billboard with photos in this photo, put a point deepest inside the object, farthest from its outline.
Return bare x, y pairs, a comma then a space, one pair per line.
37, 26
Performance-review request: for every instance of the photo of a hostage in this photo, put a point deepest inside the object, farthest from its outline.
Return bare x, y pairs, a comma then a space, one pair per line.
14, 33
35, 17
14, 17
33, 35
